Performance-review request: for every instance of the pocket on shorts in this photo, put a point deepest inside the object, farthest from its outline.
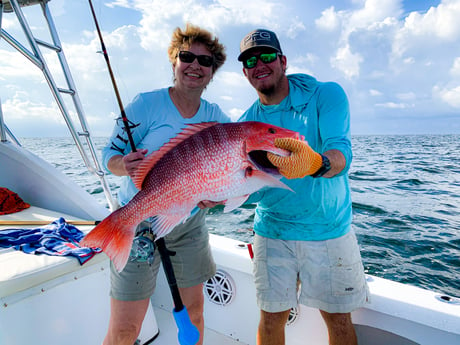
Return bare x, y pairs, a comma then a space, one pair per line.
347, 272
260, 268
347, 280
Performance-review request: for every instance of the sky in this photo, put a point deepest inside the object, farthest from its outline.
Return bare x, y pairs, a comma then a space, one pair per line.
397, 60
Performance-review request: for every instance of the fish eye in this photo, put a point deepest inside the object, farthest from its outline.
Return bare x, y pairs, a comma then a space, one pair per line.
272, 130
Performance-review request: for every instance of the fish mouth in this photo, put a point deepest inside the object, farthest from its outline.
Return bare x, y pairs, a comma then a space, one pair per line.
260, 160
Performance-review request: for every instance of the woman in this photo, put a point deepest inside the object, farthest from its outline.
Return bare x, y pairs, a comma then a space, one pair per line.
156, 117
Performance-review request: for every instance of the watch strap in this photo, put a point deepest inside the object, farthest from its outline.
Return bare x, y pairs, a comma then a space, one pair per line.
325, 167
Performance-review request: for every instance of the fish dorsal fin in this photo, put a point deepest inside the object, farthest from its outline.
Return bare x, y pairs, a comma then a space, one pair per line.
149, 162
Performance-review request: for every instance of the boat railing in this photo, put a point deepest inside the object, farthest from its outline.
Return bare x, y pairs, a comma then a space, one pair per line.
34, 55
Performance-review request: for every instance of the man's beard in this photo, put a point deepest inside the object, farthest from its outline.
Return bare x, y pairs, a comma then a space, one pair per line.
268, 90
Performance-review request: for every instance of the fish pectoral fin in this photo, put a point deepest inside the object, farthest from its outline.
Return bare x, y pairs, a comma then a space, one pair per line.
236, 202
164, 224
270, 180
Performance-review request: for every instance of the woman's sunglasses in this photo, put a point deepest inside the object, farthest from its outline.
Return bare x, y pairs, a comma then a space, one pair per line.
251, 62
189, 57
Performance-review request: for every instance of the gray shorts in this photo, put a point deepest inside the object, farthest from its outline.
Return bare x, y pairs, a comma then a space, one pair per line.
330, 273
193, 263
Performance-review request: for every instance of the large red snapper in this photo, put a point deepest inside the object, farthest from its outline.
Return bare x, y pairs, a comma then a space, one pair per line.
207, 161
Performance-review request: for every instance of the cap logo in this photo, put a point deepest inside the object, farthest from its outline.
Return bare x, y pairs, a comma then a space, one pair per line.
259, 38
256, 36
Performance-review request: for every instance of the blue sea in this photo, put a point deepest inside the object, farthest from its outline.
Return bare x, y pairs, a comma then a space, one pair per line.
406, 204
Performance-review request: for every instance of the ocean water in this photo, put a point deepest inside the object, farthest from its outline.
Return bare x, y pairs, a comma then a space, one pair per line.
406, 204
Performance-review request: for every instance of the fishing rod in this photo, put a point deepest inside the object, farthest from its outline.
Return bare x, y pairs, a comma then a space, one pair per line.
114, 83
188, 334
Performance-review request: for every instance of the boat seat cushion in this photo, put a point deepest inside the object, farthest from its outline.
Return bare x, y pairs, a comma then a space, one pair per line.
20, 271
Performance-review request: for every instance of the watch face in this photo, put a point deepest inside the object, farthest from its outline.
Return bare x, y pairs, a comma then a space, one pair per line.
326, 163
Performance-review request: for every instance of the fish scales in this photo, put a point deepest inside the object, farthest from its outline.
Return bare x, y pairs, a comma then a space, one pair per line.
207, 161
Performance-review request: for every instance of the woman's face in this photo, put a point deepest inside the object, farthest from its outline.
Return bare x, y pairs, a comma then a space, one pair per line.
193, 74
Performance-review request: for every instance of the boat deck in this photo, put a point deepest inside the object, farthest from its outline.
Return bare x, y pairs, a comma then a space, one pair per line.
168, 332
29, 284
28, 276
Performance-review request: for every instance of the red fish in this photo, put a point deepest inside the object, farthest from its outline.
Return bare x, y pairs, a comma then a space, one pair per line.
206, 161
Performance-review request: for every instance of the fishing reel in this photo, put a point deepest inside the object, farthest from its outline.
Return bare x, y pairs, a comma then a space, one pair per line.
143, 248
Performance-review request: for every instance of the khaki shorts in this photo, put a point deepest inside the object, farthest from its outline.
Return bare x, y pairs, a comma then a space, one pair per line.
330, 273
193, 263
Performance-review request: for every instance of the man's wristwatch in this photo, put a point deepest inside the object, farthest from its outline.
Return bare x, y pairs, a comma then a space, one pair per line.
325, 167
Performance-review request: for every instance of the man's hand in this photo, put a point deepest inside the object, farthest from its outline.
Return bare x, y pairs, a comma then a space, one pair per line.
303, 160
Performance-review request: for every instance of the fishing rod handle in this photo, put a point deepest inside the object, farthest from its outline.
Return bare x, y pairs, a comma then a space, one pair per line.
188, 334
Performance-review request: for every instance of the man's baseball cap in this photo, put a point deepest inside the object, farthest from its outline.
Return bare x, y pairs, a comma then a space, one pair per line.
257, 39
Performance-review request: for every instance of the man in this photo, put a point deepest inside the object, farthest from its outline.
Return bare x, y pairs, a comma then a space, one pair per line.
303, 237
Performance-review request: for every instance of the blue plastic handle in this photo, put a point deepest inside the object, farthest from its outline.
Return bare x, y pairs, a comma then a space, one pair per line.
188, 334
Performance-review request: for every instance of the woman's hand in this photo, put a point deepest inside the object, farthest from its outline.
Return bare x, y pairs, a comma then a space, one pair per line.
132, 160
210, 204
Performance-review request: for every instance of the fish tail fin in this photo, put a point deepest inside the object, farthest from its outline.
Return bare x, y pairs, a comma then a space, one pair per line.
114, 235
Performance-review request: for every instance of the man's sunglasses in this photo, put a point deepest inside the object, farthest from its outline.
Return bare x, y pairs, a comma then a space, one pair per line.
251, 62
189, 57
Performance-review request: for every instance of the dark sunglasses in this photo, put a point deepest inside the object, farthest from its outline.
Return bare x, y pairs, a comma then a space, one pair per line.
189, 57
251, 62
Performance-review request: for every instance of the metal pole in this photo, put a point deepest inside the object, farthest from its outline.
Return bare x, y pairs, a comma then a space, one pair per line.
2, 125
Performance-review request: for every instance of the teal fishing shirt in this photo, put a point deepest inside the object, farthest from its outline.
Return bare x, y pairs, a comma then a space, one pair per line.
319, 208
154, 119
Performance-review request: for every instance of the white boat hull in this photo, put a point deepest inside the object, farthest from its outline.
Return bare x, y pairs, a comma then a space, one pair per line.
58, 301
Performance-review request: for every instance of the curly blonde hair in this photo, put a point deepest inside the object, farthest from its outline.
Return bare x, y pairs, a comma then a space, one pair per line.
194, 34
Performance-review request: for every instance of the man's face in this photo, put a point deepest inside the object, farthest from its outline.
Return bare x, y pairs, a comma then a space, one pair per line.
265, 76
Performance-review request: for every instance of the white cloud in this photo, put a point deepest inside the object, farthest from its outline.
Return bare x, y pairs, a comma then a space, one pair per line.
120, 3
374, 92
409, 60
347, 61
455, 70
231, 79
365, 25
295, 28
374, 11
329, 20
235, 113
19, 107
451, 96
16, 66
438, 23
393, 105
157, 16
295, 68
8, 23
408, 96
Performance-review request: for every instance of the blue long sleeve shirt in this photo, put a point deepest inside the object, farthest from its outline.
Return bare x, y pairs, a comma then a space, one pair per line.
319, 208
154, 119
